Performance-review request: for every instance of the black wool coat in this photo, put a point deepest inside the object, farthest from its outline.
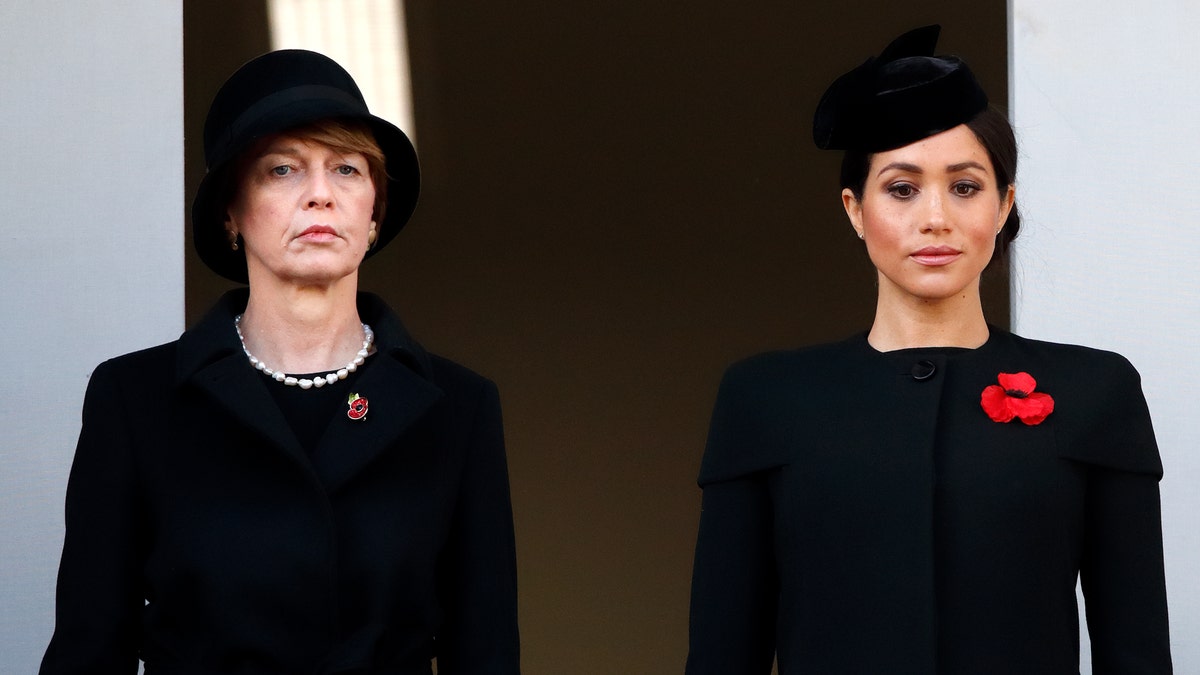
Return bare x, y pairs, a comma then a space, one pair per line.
201, 538
863, 514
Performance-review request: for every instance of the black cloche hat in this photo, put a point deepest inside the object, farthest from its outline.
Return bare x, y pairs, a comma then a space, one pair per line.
272, 93
903, 95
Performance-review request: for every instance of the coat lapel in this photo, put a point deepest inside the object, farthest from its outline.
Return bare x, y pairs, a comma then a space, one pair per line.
211, 359
241, 391
397, 397
399, 388
397, 384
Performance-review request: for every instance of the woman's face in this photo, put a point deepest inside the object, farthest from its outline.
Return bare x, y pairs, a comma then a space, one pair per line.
303, 210
929, 214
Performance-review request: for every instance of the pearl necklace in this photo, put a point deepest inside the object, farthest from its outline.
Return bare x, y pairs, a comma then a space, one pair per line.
305, 383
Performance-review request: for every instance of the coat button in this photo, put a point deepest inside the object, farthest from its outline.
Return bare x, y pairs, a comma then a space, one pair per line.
923, 370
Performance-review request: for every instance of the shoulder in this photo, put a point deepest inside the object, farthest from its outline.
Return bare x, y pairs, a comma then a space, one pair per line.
1070, 353
812, 366
1077, 366
764, 400
449, 374
1100, 413
146, 368
131, 383
464, 389
392, 335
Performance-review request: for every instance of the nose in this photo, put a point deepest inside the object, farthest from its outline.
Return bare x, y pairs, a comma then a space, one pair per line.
320, 191
935, 213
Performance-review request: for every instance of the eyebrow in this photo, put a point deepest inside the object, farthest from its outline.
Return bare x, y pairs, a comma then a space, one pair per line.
900, 166
286, 149
913, 168
954, 168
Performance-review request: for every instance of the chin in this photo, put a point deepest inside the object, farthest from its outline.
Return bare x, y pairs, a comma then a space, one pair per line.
937, 294
313, 275
328, 268
326, 276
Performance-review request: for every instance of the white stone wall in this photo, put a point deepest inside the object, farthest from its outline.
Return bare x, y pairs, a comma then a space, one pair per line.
1105, 98
91, 262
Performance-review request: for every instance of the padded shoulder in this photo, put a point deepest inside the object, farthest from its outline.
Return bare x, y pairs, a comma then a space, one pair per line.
1102, 413
760, 405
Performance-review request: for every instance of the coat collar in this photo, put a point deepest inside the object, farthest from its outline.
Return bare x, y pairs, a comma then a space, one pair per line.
213, 339
398, 385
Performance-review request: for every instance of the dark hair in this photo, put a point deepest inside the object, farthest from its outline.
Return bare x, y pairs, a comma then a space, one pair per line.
994, 133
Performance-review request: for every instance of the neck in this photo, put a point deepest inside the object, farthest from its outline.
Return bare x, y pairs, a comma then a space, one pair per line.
303, 329
906, 322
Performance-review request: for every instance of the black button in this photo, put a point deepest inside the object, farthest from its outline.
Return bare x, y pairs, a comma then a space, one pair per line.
923, 370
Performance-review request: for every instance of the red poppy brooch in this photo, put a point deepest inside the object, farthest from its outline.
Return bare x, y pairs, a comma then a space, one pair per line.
358, 407
1015, 397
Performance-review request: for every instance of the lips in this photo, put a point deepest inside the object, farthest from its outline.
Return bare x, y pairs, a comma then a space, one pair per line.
935, 255
318, 233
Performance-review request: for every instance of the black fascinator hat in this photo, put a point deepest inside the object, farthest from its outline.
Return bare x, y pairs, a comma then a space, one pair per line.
275, 92
903, 95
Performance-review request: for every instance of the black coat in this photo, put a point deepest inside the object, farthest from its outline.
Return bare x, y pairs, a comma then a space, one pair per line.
857, 519
201, 537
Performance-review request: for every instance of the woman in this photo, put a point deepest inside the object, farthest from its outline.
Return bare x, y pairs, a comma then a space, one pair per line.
922, 498
294, 485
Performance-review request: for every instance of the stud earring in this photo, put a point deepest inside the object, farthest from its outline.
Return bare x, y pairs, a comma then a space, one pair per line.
861, 236
233, 239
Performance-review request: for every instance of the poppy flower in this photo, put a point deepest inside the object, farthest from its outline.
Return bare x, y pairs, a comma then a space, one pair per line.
1015, 397
358, 407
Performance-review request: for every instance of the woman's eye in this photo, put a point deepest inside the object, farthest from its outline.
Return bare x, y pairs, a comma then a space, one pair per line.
347, 170
901, 190
965, 189
281, 170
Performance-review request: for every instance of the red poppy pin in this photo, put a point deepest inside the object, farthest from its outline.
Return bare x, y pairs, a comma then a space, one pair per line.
358, 407
1015, 397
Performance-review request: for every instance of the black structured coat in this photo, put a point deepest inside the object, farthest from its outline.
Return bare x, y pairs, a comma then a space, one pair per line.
203, 539
862, 514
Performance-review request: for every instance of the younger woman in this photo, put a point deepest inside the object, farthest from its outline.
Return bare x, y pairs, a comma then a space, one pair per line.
921, 498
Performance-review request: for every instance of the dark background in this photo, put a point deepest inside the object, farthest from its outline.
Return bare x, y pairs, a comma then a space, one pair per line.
619, 200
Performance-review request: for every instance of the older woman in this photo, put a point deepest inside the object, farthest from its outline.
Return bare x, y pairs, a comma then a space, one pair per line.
295, 485
922, 498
